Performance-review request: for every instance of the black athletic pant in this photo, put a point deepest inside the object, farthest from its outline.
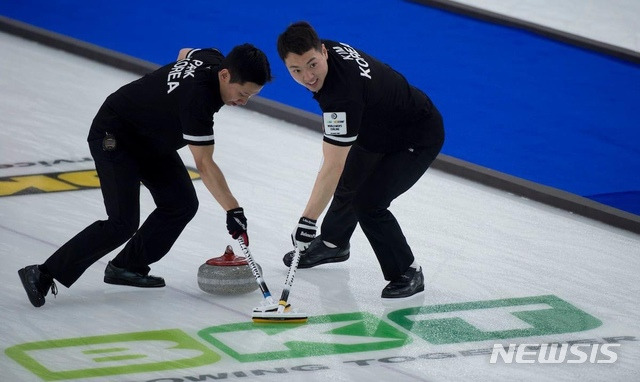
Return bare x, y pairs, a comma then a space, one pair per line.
368, 185
120, 174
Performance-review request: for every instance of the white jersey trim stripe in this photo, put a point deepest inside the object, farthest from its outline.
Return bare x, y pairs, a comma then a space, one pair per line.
192, 51
341, 139
196, 138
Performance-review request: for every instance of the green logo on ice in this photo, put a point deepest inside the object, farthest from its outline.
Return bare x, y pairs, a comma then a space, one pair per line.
358, 332
494, 319
322, 335
112, 354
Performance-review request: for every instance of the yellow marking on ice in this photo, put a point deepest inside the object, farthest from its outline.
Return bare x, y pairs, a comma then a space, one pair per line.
44, 183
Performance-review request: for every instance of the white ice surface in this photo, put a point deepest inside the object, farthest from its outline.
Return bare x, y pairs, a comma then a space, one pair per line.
615, 22
474, 243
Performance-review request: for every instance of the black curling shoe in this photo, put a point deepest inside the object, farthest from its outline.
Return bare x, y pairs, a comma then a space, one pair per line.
121, 276
318, 253
36, 284
410, 283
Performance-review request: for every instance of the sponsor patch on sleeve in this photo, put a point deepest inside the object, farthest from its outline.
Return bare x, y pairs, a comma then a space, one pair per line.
335, 123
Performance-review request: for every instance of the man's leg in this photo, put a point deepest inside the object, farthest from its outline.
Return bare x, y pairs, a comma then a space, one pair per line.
332, 245
120, 185
395, 174
172, 189
340, 220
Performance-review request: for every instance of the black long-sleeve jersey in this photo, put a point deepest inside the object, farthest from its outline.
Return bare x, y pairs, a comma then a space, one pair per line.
367, 101
172, 106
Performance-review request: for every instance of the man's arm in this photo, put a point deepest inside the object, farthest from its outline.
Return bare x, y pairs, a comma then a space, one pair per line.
327, 179
212, 176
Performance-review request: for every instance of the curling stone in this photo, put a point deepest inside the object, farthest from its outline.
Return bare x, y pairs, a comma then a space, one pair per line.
227, 274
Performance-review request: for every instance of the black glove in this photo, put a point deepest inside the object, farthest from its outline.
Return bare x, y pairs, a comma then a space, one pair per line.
237, 224
303, 234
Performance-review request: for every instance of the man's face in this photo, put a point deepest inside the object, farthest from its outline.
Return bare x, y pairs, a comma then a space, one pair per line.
309, 69
234, 94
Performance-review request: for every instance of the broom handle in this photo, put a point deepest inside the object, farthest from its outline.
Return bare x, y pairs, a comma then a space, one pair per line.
289, 281
254, 269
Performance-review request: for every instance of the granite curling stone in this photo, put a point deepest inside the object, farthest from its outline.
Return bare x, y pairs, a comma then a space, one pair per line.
226, 275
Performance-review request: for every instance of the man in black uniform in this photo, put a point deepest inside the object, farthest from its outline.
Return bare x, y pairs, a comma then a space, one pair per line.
380, 136
134, 139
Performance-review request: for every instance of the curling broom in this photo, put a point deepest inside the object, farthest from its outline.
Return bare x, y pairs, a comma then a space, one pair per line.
284, 313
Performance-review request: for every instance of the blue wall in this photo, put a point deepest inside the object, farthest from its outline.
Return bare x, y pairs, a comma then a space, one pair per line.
515, 102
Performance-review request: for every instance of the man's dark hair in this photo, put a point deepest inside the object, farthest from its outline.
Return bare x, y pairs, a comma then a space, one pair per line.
298, 38
246, 63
